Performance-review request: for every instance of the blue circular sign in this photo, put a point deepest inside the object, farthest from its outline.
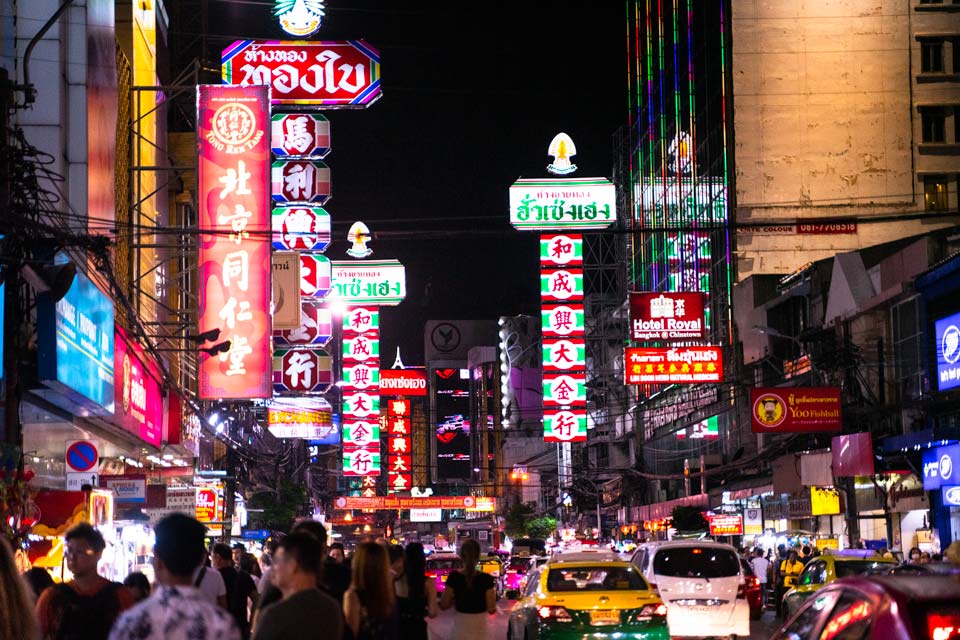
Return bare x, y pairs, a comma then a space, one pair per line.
82, 456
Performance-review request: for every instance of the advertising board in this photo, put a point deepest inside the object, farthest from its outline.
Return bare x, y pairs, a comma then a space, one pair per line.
795, 409
673, 365
667, 316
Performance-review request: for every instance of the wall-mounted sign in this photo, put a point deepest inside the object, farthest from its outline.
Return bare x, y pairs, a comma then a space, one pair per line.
361, 433
234, 221
127, 488
307, 418
286, 289
564, 389
403, 382
359, 236
951, 495
562, 204
302, 371
673, 365
666, 316
296, 181
361, 320
300, 228
561, 250
299, 135
947, 331
361, 462
315, 275
75, 345
426, 515
561, 321
824, 501
330, 75
138, 394
795, 409
728, 524
398, 482
564, 355
569, 425
299, 18
314, 330
561, 285
374, 282
941, 467
206, 505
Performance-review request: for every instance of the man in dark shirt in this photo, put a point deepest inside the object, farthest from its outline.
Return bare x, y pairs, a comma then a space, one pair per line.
240, 587
295, 569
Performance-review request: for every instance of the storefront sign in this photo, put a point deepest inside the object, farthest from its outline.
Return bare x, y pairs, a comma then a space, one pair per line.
314, 330
306, 418
726, 525
302, 371
795, 409
299, 135
132, 488
330, 75
752, 521
300, 181
426, 515
673, 365
666, 316
361, 462
941, 467
951, 495
361, 320
565, 389
373, 282
206, 505
417, 502
403, 382
234, 221
947, 331
314, 275
300, 228
824, 502
562, 204
564, 355
561, 250
138, 395
286, 290
568, 425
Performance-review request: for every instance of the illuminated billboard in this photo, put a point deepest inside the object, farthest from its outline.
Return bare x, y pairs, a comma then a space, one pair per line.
947, 332
562, 204
453, 423
673, 365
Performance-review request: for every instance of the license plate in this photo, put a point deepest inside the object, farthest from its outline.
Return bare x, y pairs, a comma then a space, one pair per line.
598, 618
443, 578
698, 609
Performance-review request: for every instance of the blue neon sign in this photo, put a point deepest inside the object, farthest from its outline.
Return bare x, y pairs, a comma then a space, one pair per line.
947, 331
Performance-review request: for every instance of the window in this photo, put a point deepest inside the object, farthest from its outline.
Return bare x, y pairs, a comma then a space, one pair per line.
594, 578
850, 619
814, 573
696, 562
905, 319
533, 583
807, 622
935, 193
931, 56
933, 122
857, 568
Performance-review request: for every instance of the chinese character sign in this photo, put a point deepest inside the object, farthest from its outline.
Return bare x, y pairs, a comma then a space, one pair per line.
666, 316
300, 135
300, 228
234, 255
399, 445
302, 371
300, 181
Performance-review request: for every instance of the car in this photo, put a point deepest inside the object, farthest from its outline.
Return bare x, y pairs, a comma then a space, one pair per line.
702, 584
513, 574
752, 589
492, 566
439, 566
824, 569
534, 563
901, 607
596, 595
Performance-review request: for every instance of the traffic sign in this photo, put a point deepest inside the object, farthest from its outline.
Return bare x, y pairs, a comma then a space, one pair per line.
81, 456
75, 481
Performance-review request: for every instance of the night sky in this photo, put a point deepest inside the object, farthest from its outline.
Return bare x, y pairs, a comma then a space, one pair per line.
472, 96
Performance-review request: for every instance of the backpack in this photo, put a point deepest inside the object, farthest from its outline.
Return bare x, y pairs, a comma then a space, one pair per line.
87, 617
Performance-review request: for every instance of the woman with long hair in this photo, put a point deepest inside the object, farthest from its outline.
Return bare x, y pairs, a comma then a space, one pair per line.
368, 605
473, 593
416, 594
17, 620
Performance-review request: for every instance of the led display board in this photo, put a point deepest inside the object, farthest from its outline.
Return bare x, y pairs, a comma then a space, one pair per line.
138, 394
453, 423
305, 418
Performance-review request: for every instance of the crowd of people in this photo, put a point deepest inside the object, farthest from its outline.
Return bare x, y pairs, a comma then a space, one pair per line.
300, 588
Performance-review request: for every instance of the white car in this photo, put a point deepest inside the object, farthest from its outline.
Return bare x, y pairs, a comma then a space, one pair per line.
702, 584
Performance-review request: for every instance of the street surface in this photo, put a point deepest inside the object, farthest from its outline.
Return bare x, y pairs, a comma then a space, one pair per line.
441, 628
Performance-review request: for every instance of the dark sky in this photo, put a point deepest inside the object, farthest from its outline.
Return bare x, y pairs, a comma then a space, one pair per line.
472, 95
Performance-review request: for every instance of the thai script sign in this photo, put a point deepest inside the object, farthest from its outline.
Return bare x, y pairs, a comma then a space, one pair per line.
206, 505
673, 365
726, 525
372, 282
300, 228
470, 503
795, 409
562, 204
666, 316
403, 382
299, 135
234, 221
139, 396
330, 75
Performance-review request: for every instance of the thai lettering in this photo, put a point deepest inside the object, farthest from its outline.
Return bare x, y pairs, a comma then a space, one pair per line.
326, 76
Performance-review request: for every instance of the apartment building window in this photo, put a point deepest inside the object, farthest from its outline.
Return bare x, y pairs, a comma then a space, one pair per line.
907, 343
935, 193
931, 56
934, 124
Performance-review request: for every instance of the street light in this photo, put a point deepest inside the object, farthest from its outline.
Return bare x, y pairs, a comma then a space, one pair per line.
773, 333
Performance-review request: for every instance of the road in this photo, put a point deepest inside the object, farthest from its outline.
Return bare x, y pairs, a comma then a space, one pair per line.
441, 628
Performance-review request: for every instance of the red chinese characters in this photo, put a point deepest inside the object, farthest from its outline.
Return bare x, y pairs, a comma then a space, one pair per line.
234, 255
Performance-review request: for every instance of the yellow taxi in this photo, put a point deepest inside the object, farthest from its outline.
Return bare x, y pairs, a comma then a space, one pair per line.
492, 566
580, 595
823, 570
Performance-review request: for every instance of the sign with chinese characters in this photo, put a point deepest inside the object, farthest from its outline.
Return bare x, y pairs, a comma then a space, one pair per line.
564, 355
399, 445
361, 433
300, 228
302, 371
727, 524
562, 204
370, 282
673, 365
299, 135
314, 275
293, 181
564, 390
361, 462
568, 425
947, 332
361, 405
361, 349
795, 409
561, 320
329, 75
234, 255
360, 376
361, 320
314, 330
306, 418
299, 18
403, 382
139, 396
561, 250
559, 285
666, 317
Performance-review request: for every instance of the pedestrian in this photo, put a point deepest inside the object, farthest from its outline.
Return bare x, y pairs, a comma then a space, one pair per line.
87, 606
473, 594
368, 605
337, 553
778, 577
416, 594
925, 557
17, 619
39, 580
176, 610
395, 553
790, 570
236, 554
760, 567
296, 569
249, 565
266, 562
209, 582
138, 585
240, 587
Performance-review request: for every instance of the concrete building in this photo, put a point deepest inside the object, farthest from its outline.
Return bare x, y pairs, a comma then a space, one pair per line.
844, 126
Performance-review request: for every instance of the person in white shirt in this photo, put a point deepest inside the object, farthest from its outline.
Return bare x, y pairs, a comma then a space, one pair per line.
210, 583
176, 610
760, 567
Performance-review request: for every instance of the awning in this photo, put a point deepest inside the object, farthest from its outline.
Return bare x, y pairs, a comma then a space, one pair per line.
662, 510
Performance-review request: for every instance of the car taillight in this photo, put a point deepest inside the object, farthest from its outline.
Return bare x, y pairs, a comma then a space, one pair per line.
559, 614
653, 588
652, 610
431, 574
742, 589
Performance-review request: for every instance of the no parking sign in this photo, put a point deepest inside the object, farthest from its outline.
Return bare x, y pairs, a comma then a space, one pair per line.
82, 456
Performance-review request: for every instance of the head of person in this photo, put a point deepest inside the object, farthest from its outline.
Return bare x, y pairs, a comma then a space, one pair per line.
337, 552
17, 619
470, 554
924, 557
781, 550
415, 568
296, 562
38, 579
221, 556
313, 528
237, 553
178, 548
84, 547
806, 550
266, 558
395, 552
138, 585
248, 564
792, 556
371, 576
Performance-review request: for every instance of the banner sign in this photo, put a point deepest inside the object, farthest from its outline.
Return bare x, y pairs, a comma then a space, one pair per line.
370, 282
726, 525
314, 330
667, 316
138, 395
947, 331
399, 445
300, 228
673, 365
296, 181
234, 256
306, 418
403, 382
299, 135
302, 371
329, 75
314, 275
795, 409
469, 503
561, 250
565, 426
562, 204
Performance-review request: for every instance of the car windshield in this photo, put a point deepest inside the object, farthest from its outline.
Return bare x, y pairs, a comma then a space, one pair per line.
858, 567
696, 562
444, 564
598, 578
519, 563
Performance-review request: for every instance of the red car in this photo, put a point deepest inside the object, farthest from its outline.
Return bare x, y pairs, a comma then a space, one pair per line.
751, 589
439, 566
901, 607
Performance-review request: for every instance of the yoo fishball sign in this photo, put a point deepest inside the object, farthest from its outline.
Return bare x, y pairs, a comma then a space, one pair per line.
795, 409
